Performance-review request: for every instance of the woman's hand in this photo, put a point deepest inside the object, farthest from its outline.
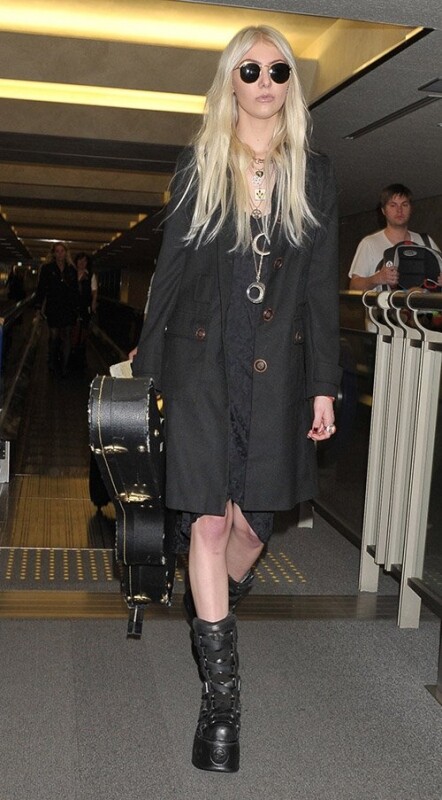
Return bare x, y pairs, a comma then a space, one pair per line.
323, 425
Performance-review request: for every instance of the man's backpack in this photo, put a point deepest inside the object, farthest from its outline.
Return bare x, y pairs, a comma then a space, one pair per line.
417, 264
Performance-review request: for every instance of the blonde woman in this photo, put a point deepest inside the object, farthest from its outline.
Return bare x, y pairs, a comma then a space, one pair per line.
241, 337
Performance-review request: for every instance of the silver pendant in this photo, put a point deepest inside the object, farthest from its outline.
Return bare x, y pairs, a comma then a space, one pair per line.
255, 247
256, 213
255, 292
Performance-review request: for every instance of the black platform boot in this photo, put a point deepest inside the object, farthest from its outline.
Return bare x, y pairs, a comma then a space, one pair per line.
216, 743
237, 591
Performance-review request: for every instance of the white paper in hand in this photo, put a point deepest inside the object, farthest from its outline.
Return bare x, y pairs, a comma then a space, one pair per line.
121, 370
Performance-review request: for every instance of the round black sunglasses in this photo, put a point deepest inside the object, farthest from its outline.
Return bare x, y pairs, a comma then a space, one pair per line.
251, 70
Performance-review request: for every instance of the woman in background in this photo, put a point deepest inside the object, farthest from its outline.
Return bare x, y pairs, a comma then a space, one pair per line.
87, 305
57, 297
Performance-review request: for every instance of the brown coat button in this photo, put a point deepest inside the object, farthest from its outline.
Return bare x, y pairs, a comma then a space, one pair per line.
277, 264
267, 314
200, 333
260, 365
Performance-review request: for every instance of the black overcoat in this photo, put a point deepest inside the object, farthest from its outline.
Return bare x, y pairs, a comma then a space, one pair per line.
296, 357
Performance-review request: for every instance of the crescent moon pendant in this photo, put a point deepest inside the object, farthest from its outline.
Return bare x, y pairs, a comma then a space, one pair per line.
255, 247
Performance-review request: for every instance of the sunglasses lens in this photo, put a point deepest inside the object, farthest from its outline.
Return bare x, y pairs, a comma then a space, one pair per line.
249, 72
279, 72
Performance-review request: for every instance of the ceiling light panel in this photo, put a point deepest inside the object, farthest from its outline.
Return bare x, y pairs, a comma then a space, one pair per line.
100, 96
188, 25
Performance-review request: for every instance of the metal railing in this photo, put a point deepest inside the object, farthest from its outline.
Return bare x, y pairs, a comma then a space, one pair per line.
381, 476
402, 528
406, 401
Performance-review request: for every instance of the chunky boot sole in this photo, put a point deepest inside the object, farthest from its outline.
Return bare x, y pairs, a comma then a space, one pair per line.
215, 756
216, 742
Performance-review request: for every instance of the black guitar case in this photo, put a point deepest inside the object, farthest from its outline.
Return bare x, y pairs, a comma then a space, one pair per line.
126, 438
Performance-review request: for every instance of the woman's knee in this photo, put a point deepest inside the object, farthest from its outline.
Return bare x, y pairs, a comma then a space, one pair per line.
213, 531
243, 529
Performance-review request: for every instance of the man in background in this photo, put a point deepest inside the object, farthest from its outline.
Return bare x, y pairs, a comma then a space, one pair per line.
396, 207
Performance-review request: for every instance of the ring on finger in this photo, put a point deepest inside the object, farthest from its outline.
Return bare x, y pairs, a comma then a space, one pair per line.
330, 428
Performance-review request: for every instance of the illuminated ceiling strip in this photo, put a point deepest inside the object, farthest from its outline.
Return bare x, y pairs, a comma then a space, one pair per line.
155, 22
101, 96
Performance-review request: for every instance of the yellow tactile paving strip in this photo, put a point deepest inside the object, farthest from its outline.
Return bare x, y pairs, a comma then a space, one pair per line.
278, 568
274, 571
63, 567
31, 567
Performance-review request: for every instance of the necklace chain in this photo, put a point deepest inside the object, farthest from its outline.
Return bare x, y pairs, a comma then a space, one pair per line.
258, 195
256, 290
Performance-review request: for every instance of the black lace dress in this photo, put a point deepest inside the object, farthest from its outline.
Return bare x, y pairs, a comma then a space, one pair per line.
242, 320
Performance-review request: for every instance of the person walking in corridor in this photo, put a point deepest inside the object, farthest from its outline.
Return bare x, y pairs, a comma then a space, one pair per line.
241, 337
57, 298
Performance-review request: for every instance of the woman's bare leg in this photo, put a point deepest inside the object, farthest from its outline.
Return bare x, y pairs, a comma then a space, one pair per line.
243, 548
207, 565
219, 547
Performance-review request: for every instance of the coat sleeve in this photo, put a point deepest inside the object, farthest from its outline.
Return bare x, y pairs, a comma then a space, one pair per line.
323, 373
164, 286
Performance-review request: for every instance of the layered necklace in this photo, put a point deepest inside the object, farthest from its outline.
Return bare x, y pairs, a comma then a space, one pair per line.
259, 196
259, 189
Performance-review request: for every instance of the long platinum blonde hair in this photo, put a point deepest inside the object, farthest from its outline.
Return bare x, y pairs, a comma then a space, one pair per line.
216, 177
